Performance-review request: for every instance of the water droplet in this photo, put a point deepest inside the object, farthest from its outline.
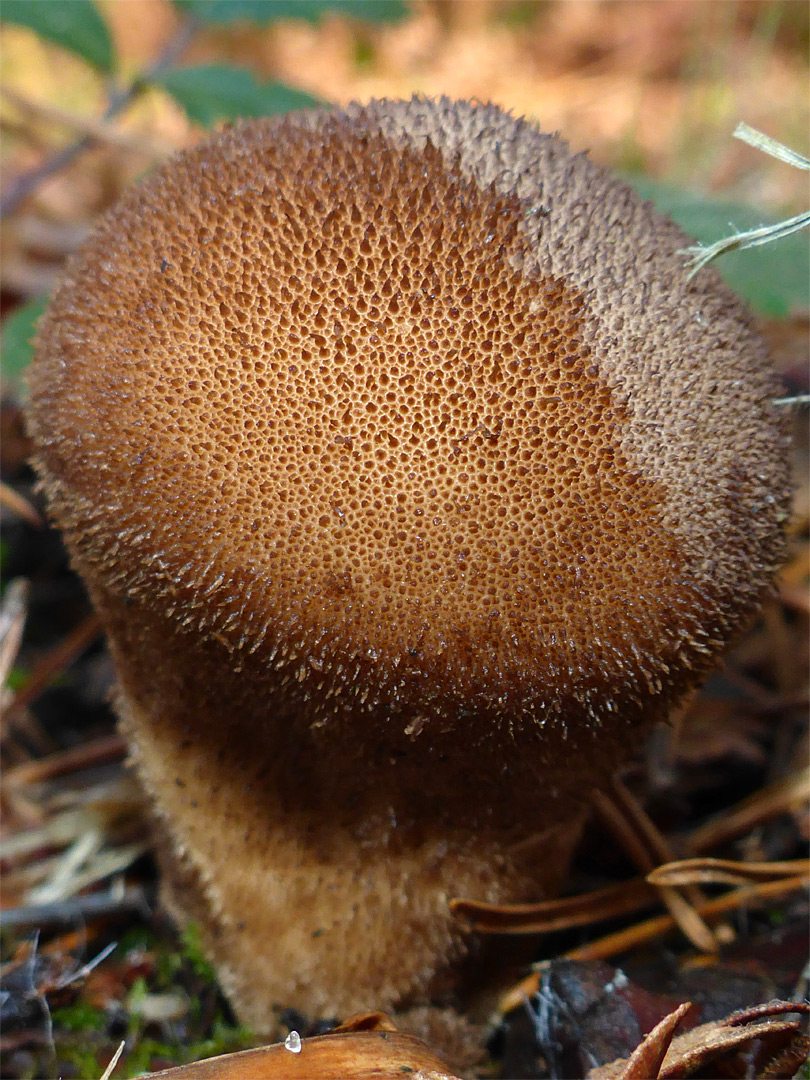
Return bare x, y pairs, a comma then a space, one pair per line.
293, 1042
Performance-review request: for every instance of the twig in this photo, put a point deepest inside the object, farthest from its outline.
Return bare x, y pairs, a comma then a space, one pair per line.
783, 796
76, 909
53, 664
99, 752
100, 131
23, 185
59, 885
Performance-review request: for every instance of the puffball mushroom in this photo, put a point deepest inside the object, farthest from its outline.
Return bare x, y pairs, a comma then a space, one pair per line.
412, 481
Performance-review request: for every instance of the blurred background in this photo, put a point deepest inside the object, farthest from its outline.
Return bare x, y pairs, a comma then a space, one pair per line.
93, 94
651, 87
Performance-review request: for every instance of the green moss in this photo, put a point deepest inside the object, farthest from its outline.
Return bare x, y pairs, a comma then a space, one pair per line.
84, 1061
193, 953
79, 1017
16, 679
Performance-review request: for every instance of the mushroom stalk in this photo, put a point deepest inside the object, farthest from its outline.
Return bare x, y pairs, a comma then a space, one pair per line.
319, 865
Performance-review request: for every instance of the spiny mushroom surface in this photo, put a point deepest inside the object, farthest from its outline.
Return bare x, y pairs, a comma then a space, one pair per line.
413, 482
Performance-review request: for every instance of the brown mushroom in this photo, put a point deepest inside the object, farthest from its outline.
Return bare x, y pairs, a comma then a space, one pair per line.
412, 482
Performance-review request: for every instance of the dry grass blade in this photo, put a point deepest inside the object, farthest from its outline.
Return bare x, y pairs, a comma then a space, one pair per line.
86, 834
85, 864
59, 884
549, 915
13, 501
775, 149
785, 796
646, 1060
113, 1061
58, 830
12, 621
725, 871
702, 255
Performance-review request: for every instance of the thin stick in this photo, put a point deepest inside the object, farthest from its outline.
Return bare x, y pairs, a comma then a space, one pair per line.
53, 664
99, 752
101, 131
781, 797
76, 909
22, 186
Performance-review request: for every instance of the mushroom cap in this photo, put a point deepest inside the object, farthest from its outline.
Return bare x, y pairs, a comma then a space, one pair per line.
419, 407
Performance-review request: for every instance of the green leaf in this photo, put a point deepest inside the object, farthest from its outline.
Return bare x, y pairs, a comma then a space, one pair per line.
214, 92
17, 337
74, 24
264, 11
773, 278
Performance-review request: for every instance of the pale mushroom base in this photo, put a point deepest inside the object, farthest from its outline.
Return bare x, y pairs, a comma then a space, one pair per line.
308, 892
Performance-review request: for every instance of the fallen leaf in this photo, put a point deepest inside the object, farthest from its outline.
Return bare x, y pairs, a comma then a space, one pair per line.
361, 1055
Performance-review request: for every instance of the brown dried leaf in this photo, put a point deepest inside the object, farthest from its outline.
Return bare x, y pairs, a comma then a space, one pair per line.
361, 1055
755, 1042
370, 1021
647, 1058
